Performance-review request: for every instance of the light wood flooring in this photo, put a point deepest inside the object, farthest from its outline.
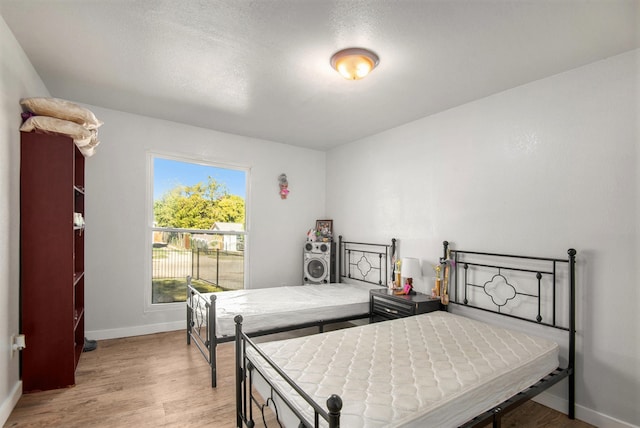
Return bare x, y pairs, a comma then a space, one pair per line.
159, 381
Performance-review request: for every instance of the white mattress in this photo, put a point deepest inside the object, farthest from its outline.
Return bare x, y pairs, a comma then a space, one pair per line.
268, 308
436, 370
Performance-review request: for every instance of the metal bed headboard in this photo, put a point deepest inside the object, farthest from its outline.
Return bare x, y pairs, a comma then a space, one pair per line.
504, 266
462, 263
366, 262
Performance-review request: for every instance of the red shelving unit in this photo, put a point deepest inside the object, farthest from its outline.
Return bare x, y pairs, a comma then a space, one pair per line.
51, 260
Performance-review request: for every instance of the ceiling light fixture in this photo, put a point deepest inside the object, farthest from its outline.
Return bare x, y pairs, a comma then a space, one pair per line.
354, 63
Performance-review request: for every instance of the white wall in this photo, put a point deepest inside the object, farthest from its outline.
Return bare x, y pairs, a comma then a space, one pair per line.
117, 242
534, 170
18, 79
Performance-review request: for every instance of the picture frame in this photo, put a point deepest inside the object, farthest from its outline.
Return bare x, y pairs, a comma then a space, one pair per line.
324, 228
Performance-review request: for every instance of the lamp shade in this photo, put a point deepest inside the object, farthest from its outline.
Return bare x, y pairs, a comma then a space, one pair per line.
410, 268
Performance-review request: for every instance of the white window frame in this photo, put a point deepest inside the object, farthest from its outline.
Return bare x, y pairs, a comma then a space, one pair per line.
150, 228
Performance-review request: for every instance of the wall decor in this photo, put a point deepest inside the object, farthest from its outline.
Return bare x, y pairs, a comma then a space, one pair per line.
284, 186
324, 229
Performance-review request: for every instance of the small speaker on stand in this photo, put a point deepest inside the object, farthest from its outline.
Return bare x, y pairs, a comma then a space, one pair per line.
319, 262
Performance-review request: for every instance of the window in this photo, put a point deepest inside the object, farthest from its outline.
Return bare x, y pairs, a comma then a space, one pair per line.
198, 229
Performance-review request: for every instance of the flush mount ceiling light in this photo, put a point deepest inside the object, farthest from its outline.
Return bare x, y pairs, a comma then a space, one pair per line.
354, 63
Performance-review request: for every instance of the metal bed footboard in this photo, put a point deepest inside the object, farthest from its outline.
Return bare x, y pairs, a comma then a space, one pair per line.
245, 398
201, 326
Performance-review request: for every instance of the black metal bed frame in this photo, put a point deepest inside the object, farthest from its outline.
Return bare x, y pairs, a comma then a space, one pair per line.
244, 368
201, 311
357, 257
549, 268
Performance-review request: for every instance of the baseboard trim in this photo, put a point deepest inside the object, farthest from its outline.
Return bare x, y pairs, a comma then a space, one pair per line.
11, 401
583, 413
135, 331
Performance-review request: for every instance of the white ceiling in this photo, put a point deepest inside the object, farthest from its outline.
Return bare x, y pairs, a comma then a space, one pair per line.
261, 68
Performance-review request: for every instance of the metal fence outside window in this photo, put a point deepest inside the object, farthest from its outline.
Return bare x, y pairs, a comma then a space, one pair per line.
216, 258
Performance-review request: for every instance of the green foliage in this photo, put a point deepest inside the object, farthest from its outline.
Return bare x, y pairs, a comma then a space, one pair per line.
198, 206
230, 209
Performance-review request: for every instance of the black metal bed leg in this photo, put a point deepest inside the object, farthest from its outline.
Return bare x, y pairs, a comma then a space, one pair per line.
212, 363
189, 310
497, 418
188, 325
334, 405
572, 333
239, 371
572, 397
247, 392
213, 342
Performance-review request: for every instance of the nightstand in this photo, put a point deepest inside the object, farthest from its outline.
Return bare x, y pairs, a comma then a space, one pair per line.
384, 305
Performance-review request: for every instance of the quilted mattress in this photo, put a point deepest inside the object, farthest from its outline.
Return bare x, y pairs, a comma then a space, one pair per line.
268, 308
431, 370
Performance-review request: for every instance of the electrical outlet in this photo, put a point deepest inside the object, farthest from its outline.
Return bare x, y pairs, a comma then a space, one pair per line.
18, 343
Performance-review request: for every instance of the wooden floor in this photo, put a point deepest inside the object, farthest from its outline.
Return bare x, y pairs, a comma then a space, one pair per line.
159, 381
